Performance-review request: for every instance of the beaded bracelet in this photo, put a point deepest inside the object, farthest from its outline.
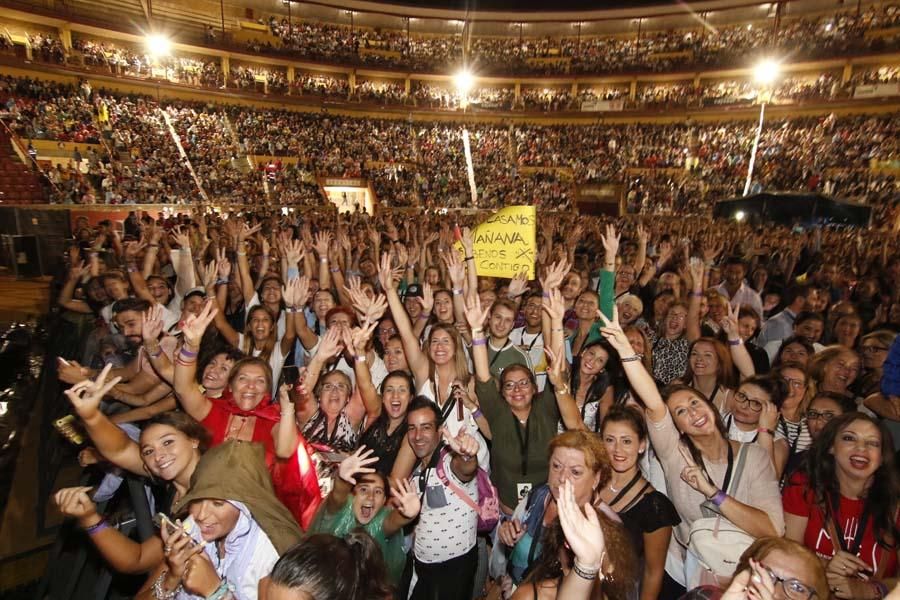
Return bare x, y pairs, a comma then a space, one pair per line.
631, 358
161, 593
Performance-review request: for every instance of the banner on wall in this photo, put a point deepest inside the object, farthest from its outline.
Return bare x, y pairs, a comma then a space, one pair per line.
877, 90
505, 243
602, 105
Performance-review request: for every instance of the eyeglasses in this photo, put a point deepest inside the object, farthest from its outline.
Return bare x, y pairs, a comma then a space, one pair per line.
331, 387
793, 588
755, 405
794, 383
814, 415
873, 349
522, 384
387, 331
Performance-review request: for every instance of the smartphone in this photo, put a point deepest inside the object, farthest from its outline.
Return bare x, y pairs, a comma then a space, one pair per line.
290, 375
67, 427
161, 520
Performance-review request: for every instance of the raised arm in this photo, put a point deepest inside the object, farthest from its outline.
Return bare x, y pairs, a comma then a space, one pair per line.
151, 331
323, 241
135, 277
406, 507
638, 377
293, 293
110, 441
739, 354
285, 433
192, 400
66, 295
476, 317
698, 276
556, 370
244, 264
418, 363
468, 244
456, 269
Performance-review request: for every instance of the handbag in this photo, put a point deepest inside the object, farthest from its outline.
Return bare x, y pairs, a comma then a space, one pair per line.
488, 505
715, 544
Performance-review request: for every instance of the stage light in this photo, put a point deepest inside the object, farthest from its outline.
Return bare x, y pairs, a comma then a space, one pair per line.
740, 216
766, 71
159, 45
464, 81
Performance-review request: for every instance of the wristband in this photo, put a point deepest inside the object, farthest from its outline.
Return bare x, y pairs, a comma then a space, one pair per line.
479, 342
563, 389
880, 588
265, 256
631, 358
696, 294
96, 527
476, 413
545, 294
470, 258
457, 292
589, 574
765, 430
360, 358
222, 281
736, 342
188, 353
241, 253
153, 245
156, 354
424, 316
323, 260
221, 592
293, 272
132, 268
290, 309
718, 498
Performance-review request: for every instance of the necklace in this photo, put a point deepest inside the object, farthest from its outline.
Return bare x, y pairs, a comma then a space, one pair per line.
612, 489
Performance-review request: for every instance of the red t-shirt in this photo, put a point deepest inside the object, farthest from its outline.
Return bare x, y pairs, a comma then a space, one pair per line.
798, 499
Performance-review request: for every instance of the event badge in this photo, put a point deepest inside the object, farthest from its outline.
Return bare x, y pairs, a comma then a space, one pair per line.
435, 496
522, 490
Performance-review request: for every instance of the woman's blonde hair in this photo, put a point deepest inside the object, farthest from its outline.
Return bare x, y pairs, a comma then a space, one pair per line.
764, 546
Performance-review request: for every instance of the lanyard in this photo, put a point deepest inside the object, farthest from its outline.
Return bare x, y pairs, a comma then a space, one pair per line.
499, 352
625, 489
523, 442
726, 481
533, 340
839, 529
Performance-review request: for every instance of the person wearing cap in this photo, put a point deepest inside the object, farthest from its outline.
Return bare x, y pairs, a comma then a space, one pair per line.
233, 534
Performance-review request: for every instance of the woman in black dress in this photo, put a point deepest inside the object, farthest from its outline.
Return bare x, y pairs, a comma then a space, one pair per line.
647, 514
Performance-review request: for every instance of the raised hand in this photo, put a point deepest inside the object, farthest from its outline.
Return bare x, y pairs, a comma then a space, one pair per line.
582, 529
462, 444
427, 299
698, 272
246, 231
387, 275
86, 395
194, 326
467, 241
223, 265
133, 249
357, 464
152, 323
360, 336
71, 372
293, 252
284, 399
612, 332
610, 243
332, 343
729, 322
455, 267
77, 270
475, 315
555, 368
555, 274
208, 274
406, 499
554, 306
181, 238
518, 285
696, 478
323, 240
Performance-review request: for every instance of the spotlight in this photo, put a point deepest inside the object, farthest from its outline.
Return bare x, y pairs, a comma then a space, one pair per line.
464, 81
740, 216
766, 71
159, 45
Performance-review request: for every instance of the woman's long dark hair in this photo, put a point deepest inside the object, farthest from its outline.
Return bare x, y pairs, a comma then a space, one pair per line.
667, 392
609, 376
883, 495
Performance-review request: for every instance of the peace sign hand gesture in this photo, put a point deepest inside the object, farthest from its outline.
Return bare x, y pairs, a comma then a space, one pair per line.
613, 334
86, 395
729, 323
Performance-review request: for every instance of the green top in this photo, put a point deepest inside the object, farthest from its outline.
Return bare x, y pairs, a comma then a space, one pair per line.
343, 521
607, 293
508, 437
508, 355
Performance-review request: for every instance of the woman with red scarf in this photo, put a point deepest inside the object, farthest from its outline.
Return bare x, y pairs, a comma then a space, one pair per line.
245, 412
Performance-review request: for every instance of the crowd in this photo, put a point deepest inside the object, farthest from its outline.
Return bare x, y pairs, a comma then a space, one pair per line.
681, 168
803, 38
335, 406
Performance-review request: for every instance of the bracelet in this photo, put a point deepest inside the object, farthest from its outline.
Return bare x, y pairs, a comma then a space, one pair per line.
188, 353
880, 588
185, 363
290, 309
631, 358
696, 294
765, 430
156, 354
589, 574
323, 260
718, 498
265, 256
241, 253
457, 292
736, 342
424, 316
479, 342
222, 281
360, 358
476, 413
334, 269
470, 258
545, 294
96, 527
159, 592
222, 591
563, 389
132, 268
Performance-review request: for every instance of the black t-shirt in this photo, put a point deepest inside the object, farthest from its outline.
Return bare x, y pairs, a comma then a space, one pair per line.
652, 511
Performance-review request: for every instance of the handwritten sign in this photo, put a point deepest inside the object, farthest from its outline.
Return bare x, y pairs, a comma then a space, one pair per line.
505, 243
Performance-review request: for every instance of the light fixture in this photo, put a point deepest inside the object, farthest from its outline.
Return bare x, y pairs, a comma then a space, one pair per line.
740, 216
464, 81
159, 45
766, 71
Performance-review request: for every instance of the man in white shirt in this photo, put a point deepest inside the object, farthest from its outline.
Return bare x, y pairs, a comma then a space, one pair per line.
736, 289
530, 338
445, 553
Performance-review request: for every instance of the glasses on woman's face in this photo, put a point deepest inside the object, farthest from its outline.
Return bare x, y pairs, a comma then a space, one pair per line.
794, 384
873, 349
331, 387
755, 405
814, 415
522, 384
793, 588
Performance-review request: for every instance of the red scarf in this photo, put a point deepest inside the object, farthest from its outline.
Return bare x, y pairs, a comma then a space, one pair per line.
264, 410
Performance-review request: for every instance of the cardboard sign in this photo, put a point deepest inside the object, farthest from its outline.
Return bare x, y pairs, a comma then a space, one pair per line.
505, 243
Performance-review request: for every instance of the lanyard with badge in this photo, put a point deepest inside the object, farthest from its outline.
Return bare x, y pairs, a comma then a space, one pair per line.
522, 489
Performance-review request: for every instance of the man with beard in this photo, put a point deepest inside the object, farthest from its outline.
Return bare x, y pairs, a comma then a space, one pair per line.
530, 338
139, 376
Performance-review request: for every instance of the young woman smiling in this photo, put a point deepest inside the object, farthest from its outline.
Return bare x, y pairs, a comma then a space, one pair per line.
691, 442
646, 513
850, 492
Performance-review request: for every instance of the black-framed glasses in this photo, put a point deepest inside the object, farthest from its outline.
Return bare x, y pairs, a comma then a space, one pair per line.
873, 349
793, 588
522, 384
814, 415
742, 398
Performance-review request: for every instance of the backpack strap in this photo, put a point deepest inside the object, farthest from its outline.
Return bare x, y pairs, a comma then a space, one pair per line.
461, 493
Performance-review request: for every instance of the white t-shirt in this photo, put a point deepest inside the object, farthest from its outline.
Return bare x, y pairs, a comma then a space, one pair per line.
253, 302
276, 361
532, 344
